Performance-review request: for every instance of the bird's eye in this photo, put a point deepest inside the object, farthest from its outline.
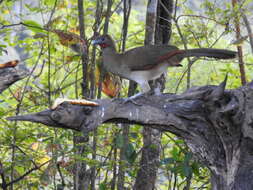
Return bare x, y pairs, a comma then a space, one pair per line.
102, 39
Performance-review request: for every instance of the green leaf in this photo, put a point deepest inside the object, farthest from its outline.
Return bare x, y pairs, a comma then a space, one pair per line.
175, 153
119, 141
2, 112
49, 2
32, 9
195, 168
186, 170
188, 157
102, 186
2, 49
130, 153
34, 26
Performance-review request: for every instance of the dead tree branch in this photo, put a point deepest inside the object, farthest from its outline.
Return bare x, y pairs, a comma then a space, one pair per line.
215, 123
10, 75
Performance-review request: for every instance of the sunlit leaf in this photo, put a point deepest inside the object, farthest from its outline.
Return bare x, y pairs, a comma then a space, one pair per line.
34, 26
102, 186
195, 168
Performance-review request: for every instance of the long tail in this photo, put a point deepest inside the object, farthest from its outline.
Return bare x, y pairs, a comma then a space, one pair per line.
209, 52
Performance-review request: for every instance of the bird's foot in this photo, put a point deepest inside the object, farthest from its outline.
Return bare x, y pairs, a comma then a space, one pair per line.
131, 99
126, 100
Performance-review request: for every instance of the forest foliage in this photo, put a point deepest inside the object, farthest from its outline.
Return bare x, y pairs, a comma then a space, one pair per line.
39, 157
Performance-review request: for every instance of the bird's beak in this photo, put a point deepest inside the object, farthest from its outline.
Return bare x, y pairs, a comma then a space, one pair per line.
97, 41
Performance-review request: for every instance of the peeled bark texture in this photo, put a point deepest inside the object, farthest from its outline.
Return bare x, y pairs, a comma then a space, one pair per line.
10, 75
146, 175
216, 124
150, 152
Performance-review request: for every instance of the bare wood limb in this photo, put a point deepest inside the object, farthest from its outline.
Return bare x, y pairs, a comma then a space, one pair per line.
8, 76
215, 123
153, 110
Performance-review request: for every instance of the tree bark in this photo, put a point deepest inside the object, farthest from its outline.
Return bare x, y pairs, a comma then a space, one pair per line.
164, 22
127, 5
82, 176
8, 76
239, 47
146, 175
215, 123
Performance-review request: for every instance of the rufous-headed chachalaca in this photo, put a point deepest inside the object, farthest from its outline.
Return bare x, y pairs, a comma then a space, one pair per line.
145, 63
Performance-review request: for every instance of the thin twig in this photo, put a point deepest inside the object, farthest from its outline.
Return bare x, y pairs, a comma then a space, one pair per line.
200, 16
25, 154
61, 176
27, 173
184, 43
4, 184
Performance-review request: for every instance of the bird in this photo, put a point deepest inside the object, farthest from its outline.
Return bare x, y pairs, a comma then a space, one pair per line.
145, 63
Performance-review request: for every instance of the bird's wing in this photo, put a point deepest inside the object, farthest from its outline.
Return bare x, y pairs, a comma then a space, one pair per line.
147, 57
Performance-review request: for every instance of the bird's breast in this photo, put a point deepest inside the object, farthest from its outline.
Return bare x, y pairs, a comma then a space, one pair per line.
115, 66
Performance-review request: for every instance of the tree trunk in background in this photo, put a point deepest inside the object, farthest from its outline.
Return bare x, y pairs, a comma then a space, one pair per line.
146, 176
239, 47
97, 22
249, 29
164, 22
158, 32
81, 174
125, 127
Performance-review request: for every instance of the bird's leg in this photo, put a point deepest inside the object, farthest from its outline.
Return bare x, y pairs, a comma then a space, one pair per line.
145, 88
157, 91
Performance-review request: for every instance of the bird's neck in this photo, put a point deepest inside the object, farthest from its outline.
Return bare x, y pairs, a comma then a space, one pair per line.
109, 50
111, 60
108, 46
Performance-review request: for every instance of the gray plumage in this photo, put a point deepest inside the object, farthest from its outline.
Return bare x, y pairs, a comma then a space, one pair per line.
145, 63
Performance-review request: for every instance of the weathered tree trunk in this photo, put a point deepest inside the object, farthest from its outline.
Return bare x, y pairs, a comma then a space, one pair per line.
82, 175
164, 21
239, 47
8, 76
146, 175
127, 6
216, 124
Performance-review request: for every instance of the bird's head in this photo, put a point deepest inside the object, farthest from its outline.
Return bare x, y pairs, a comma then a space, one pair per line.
104, 41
